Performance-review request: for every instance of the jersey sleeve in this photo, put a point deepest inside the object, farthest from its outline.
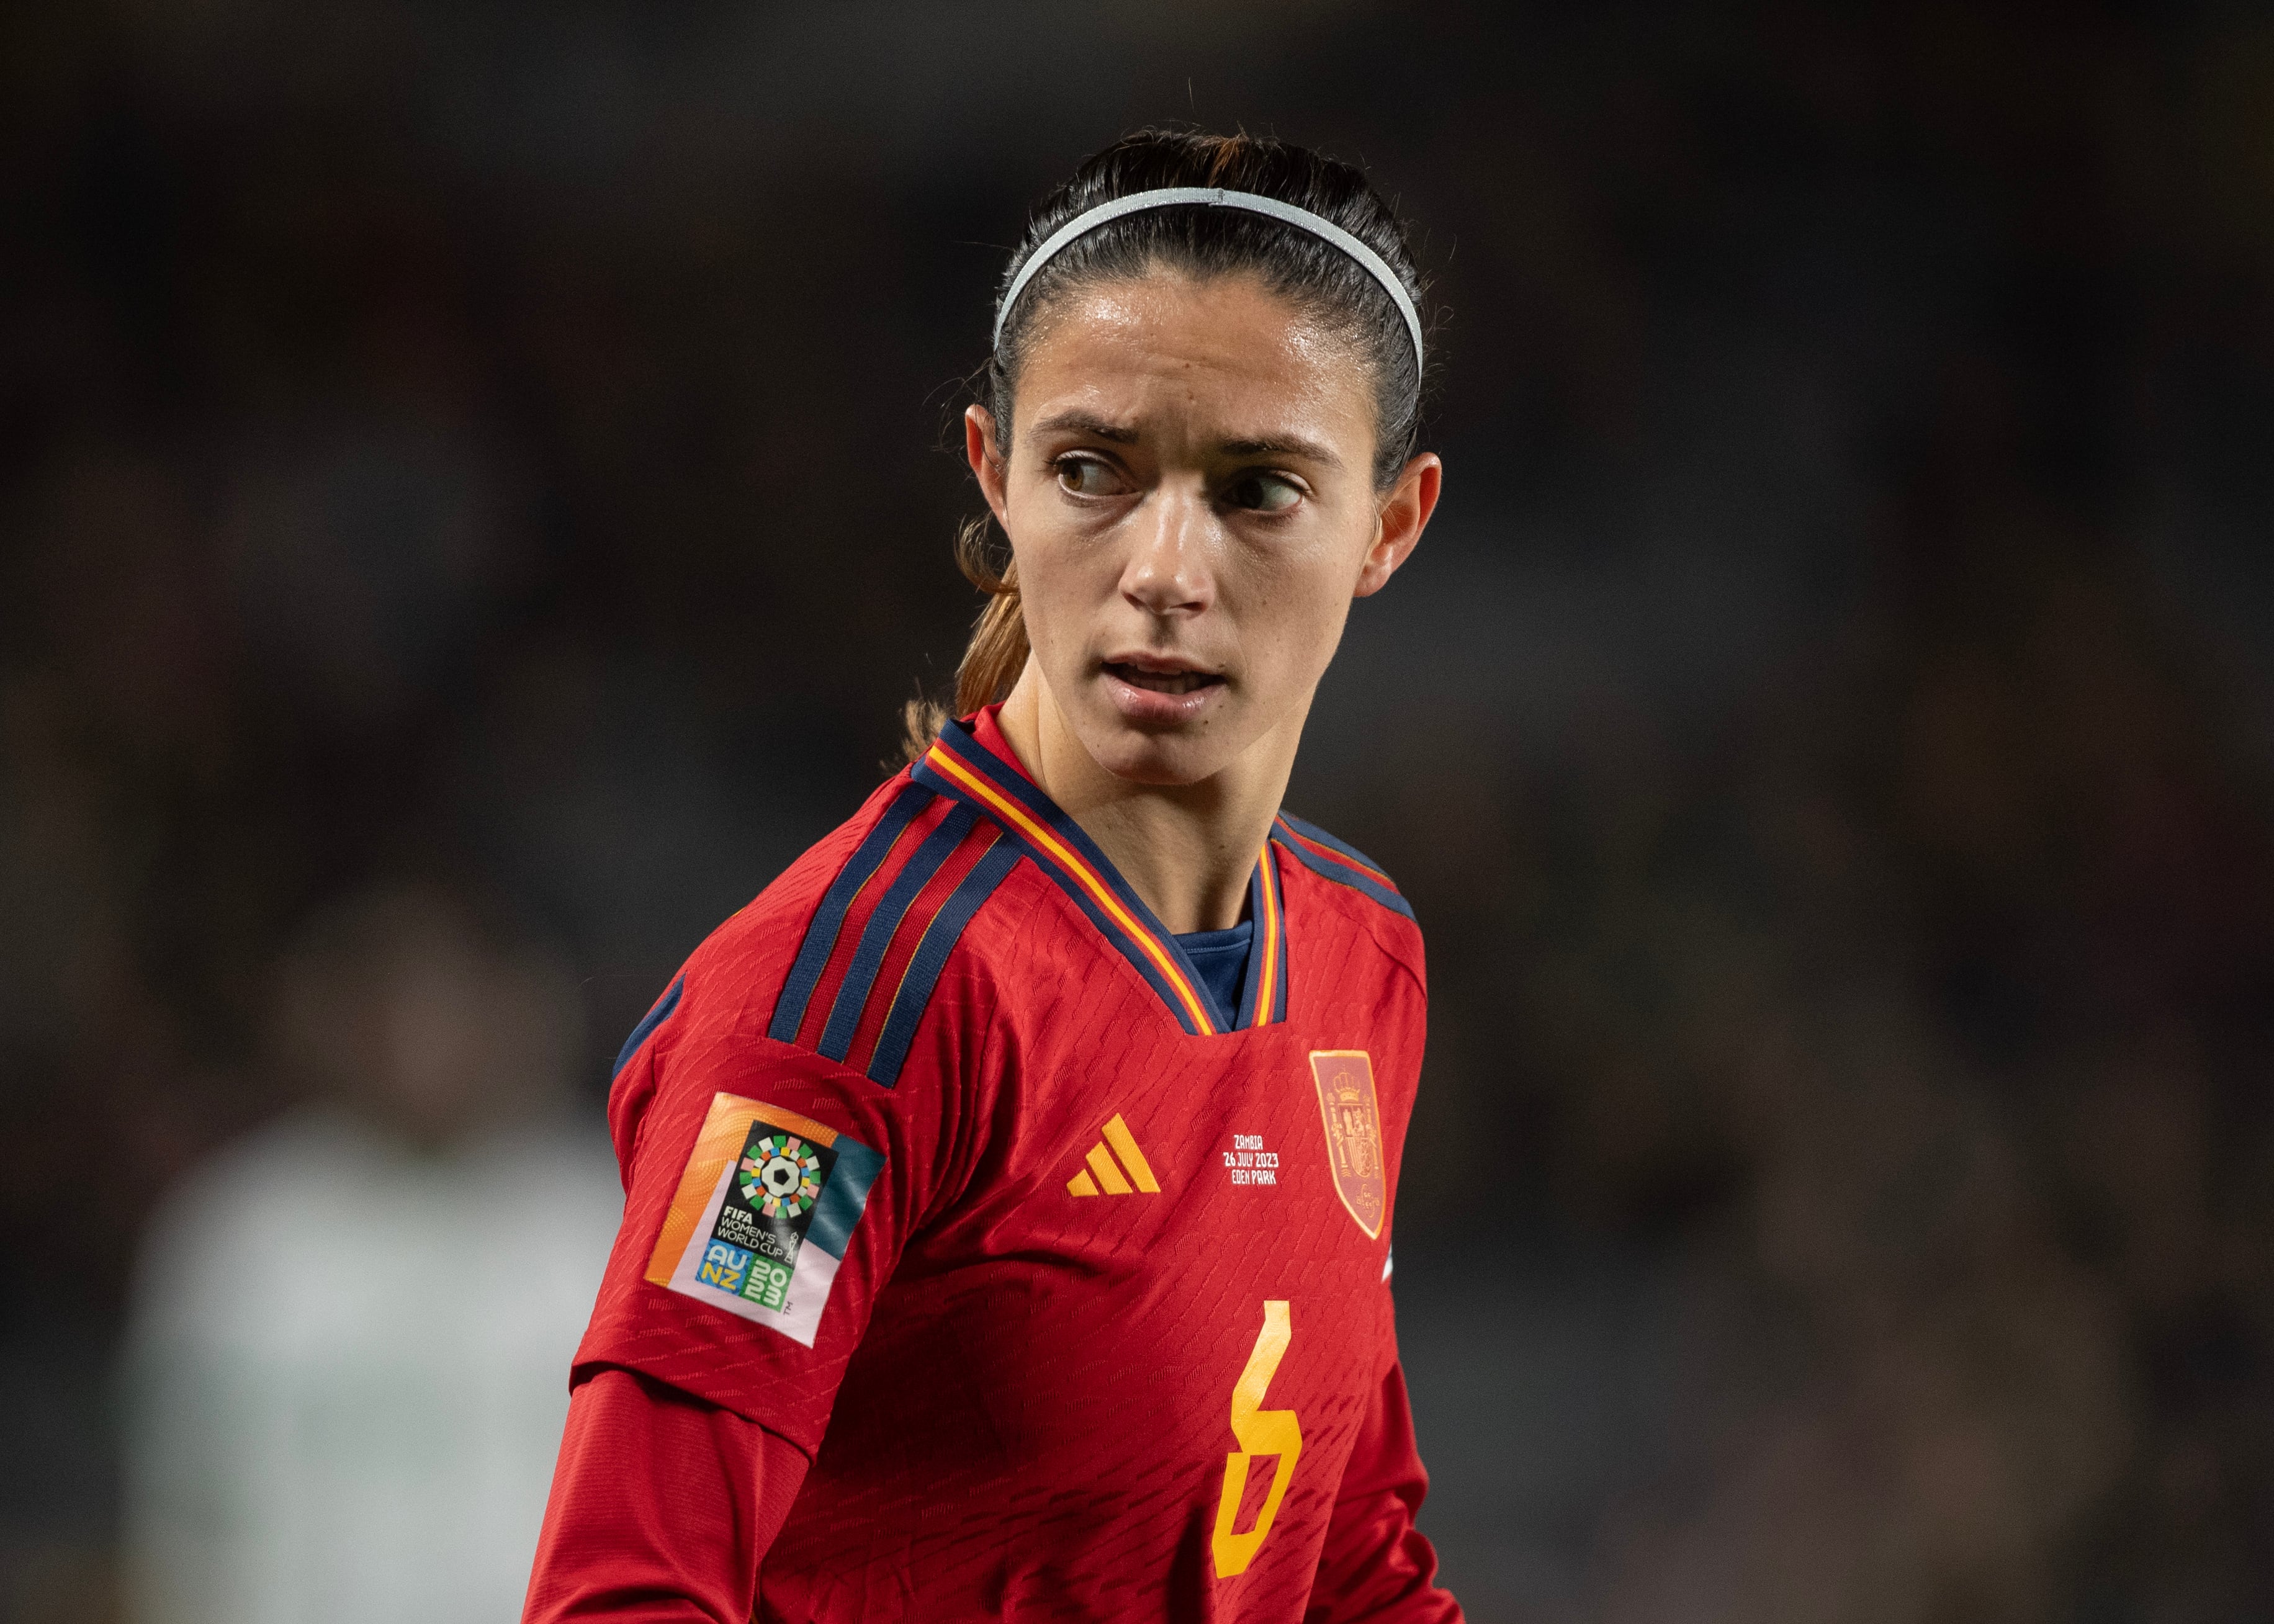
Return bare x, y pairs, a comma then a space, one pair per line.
662, 1508
1376, 1566
768, 1195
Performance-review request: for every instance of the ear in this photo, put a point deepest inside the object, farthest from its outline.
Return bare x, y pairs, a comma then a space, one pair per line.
1399, 521
979, 451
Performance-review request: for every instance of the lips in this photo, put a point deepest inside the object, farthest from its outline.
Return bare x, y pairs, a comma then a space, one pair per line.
1162, 681
1159, 694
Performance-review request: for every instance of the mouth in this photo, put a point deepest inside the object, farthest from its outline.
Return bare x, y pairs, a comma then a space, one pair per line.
1156, 693
1161, 680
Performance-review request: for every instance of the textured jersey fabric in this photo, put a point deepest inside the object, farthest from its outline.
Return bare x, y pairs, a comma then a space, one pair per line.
1069, 1275
662, 1507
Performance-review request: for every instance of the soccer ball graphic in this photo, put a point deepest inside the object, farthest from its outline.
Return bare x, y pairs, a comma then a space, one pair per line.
781, 1175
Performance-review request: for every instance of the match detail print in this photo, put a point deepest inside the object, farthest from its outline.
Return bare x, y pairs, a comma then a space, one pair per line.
762, 1214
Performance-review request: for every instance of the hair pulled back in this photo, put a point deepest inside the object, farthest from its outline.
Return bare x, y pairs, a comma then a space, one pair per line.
1318, 279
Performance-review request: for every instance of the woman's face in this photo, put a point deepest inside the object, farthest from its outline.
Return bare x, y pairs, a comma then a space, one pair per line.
1189, 495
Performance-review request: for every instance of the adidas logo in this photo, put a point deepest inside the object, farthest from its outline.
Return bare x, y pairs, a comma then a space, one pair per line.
1108, 1171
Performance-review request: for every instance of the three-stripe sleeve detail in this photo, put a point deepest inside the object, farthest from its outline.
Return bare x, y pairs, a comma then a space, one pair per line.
913, 994
820, 941
879, 940
884, 925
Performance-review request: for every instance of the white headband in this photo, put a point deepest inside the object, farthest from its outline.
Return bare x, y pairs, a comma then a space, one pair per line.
1212, 196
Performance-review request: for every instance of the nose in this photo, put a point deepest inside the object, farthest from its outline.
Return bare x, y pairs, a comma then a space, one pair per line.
1168, 573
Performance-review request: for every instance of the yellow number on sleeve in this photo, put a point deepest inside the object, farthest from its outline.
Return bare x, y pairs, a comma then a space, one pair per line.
1260, 1431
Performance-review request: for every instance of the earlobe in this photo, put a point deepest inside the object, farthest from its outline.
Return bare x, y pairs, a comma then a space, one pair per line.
1398, 522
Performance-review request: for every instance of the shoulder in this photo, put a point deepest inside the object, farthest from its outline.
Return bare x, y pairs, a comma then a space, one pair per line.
1339, 862
841, 955
1358, 888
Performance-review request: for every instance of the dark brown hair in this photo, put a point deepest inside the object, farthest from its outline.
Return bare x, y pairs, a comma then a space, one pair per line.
1319, 278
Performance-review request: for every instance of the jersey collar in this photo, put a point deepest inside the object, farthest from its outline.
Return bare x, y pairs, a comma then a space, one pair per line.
973, 762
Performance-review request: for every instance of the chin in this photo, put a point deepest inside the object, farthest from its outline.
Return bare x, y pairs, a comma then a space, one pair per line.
1167, 758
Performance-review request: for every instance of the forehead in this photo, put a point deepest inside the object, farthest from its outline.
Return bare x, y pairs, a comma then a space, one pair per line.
1224, 357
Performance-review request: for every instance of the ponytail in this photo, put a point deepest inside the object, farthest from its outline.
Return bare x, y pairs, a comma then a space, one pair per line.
998, 648
996, 655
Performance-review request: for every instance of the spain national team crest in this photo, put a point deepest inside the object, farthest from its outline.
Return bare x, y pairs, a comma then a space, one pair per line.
1353, 1122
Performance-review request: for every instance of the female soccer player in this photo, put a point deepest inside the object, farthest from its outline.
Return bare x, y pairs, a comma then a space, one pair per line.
1009, 1186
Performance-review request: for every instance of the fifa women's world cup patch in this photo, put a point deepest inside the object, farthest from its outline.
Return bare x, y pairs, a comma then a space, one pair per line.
762, 1214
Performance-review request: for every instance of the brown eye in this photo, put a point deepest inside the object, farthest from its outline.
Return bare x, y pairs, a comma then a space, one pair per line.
1085, 477
1262, 492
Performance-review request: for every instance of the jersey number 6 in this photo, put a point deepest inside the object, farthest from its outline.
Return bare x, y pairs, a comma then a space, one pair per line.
1260, 1431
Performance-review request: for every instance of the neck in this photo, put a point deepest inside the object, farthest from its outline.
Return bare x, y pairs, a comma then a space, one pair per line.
1187, 849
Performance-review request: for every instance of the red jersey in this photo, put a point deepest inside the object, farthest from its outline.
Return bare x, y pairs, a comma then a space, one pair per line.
944, 1165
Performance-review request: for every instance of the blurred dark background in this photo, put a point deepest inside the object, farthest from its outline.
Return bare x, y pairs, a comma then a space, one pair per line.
1826, 736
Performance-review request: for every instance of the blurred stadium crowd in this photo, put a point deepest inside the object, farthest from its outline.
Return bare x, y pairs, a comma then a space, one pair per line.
475, 478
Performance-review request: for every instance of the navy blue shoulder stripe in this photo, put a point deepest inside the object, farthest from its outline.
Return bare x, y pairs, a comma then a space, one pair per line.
914, 995
645, 1030
884, 924
829, 918
1320, 853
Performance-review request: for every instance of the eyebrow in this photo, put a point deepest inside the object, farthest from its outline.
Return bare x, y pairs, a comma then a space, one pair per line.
1122, 435
1085, 422
1289, 446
